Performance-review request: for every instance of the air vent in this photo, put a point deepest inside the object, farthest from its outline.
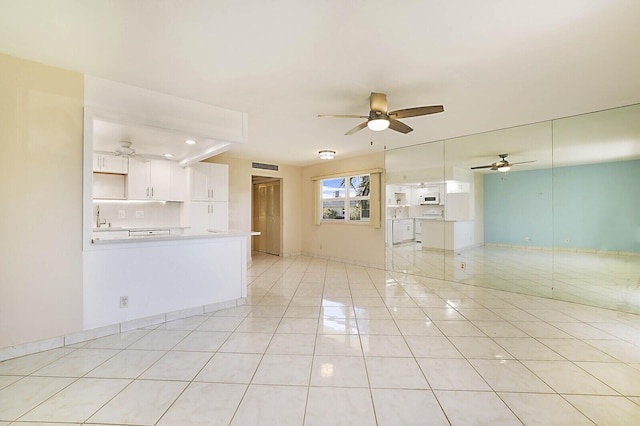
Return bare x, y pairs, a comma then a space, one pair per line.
264, 166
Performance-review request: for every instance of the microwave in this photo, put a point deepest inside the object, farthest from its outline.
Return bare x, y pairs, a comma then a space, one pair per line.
430, 198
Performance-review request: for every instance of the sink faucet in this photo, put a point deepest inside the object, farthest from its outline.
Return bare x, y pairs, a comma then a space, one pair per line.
98, 222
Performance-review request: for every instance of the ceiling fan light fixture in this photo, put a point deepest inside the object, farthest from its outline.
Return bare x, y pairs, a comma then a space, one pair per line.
190, 142
327, 154
504, 169
378, 124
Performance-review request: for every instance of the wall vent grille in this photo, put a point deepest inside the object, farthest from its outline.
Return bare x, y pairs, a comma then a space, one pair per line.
264, 166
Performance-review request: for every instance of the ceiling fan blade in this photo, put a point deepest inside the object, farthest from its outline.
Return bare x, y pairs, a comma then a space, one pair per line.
482, 167
357, 128
417, 111
378, 102
524, 162
399, 126
342, 116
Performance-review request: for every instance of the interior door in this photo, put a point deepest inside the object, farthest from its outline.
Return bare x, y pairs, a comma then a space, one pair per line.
266, 217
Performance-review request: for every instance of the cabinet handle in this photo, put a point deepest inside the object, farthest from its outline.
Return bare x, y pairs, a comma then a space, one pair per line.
147, 191
152, 191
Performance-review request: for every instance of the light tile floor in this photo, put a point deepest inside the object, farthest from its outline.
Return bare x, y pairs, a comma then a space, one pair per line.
325, 343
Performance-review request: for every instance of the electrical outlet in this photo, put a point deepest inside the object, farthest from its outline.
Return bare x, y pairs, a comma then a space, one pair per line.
139, 214
124, 301
566, 241
463, 265
121, 214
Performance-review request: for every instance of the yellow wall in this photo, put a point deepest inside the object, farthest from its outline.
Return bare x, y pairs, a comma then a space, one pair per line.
40, 201
356, 243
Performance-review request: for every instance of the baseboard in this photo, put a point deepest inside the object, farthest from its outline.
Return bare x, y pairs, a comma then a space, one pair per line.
95, 333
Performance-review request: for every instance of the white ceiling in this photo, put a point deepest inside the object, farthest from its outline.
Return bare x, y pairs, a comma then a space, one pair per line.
492, 64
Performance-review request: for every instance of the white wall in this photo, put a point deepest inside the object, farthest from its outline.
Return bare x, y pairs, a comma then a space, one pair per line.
41, 201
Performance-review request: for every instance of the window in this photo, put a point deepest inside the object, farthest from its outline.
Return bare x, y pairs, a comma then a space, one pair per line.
347, 199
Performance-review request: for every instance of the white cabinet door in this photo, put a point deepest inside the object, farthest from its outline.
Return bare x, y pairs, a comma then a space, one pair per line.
207, 216
148, 180
138, 181
219, 182
219, 216
159, 171
178, 182
209, 182
199, 215
109, 163
200, 182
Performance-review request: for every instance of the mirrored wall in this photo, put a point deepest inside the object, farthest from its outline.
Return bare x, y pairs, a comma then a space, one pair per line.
549, 209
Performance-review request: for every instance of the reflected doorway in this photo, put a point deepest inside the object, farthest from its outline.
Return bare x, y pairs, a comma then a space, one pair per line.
266, 196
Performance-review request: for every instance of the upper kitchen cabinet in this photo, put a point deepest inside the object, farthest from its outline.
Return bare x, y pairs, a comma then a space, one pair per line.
209, 182
104, 162
149, 180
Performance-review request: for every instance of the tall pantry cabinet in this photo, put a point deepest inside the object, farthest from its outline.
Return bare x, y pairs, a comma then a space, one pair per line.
209, 199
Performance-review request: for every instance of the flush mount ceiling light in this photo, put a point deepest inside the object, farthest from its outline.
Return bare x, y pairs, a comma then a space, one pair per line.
378, 124
168, 155
190, 142
327, 154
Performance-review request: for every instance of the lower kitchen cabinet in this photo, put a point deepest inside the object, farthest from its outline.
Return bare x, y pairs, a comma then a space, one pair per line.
209, 216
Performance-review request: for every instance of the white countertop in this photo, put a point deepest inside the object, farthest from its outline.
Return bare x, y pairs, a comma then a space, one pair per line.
186, 235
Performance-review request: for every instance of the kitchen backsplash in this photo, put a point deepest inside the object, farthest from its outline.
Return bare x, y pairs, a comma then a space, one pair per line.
138, 214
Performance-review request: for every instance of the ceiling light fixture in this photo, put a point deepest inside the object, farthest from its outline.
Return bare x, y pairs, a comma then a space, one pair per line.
326, 154
504, 169
168, 155
190, 142
378, 124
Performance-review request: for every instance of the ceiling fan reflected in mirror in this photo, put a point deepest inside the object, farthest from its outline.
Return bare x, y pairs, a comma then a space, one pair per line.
502, 165
380, 119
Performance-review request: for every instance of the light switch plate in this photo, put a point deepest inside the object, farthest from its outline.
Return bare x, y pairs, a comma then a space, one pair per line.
139, 214
121, 214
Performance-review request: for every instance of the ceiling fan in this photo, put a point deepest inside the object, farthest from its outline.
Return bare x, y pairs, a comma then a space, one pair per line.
502, 165
379, 118
126, 150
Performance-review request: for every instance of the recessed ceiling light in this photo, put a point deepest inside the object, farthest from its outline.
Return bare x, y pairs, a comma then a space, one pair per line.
190, 142
168, 155
326, 154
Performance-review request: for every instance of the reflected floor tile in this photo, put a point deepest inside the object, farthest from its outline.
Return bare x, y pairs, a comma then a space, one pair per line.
392, 346
258, 325
312, 312
543, 330
395, 373
283, 370
229, 368
475, 408
581, 330
292, 344
567, 378
246, 343
444, 314
407, 407
623, 351
142, 403
543, 409
509, 376
205, 403
7, 380
309, 301
160, 339
76, 402
177, 365
238, 311
373, 312
451, 374
189, 323
609, 410
339, 406
267, 311
402, 313
272, 405
129, 363
339, 371
77, 363
499, 329
25, 394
